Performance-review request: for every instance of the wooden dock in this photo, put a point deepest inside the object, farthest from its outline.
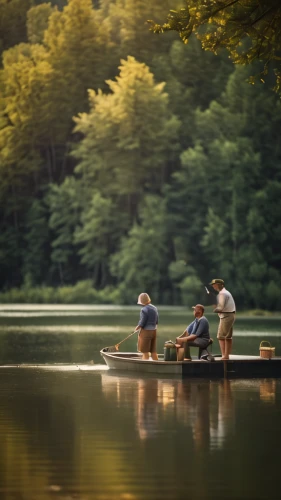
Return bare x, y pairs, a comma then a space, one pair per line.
236, 367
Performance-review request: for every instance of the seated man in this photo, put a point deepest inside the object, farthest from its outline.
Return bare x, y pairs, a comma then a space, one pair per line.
196, 334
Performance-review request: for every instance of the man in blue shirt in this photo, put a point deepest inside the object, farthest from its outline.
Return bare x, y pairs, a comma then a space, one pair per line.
196, 334
147, 327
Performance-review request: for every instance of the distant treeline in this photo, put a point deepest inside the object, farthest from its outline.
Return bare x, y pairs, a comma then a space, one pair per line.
131, 162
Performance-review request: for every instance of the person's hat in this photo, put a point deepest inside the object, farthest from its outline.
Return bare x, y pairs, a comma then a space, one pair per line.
199, 305
143, 299
220, 282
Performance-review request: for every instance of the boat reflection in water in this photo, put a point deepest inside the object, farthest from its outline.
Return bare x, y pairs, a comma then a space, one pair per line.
268, 390
205, 408
222, 422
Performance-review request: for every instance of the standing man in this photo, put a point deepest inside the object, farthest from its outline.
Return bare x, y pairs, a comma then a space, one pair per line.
196, 334
226, 311
147, 327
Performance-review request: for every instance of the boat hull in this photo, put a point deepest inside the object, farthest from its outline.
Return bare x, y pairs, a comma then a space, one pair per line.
132, 362
236, 367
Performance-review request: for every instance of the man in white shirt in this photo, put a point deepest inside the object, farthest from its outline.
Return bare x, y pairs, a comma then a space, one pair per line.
226, 310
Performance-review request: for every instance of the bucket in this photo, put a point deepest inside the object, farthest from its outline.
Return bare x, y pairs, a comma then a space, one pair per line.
170, 351
266, 351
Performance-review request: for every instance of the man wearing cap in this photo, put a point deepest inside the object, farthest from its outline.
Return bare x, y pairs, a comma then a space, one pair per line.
226, 310
147, 327
196, 334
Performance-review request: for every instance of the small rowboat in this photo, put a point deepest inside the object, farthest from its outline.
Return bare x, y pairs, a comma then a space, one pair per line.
238, 366
133, 362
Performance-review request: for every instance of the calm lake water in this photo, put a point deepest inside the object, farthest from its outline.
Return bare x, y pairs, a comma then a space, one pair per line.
71, 429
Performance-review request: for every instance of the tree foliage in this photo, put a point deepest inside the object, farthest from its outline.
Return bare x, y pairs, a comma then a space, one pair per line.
134, 124
13, 28
142, 259
249, 29
130, 162
97, 236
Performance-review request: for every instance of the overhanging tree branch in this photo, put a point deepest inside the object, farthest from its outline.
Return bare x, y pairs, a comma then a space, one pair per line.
231, 22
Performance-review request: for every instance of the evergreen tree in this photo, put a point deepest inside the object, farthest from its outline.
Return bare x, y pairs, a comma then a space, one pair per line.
37, 22
142, 261
98, 235
36, 262
222, 178
13, 22
127, 21
175, 173
129, 136
65, 210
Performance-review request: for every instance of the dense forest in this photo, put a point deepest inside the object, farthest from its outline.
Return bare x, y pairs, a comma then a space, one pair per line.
130, 161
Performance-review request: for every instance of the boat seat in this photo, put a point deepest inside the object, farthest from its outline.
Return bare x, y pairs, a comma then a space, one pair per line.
204, 353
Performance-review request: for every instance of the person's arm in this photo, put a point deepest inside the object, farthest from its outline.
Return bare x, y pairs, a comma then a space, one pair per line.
142, 321
191, 336
185, 332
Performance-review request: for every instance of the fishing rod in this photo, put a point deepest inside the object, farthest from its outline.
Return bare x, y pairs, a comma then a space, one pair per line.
210, 290
115, 348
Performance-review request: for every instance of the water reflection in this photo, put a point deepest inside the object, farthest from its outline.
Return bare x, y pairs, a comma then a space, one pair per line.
204, 407
83, 432
268, 391
146, 411
223, 421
